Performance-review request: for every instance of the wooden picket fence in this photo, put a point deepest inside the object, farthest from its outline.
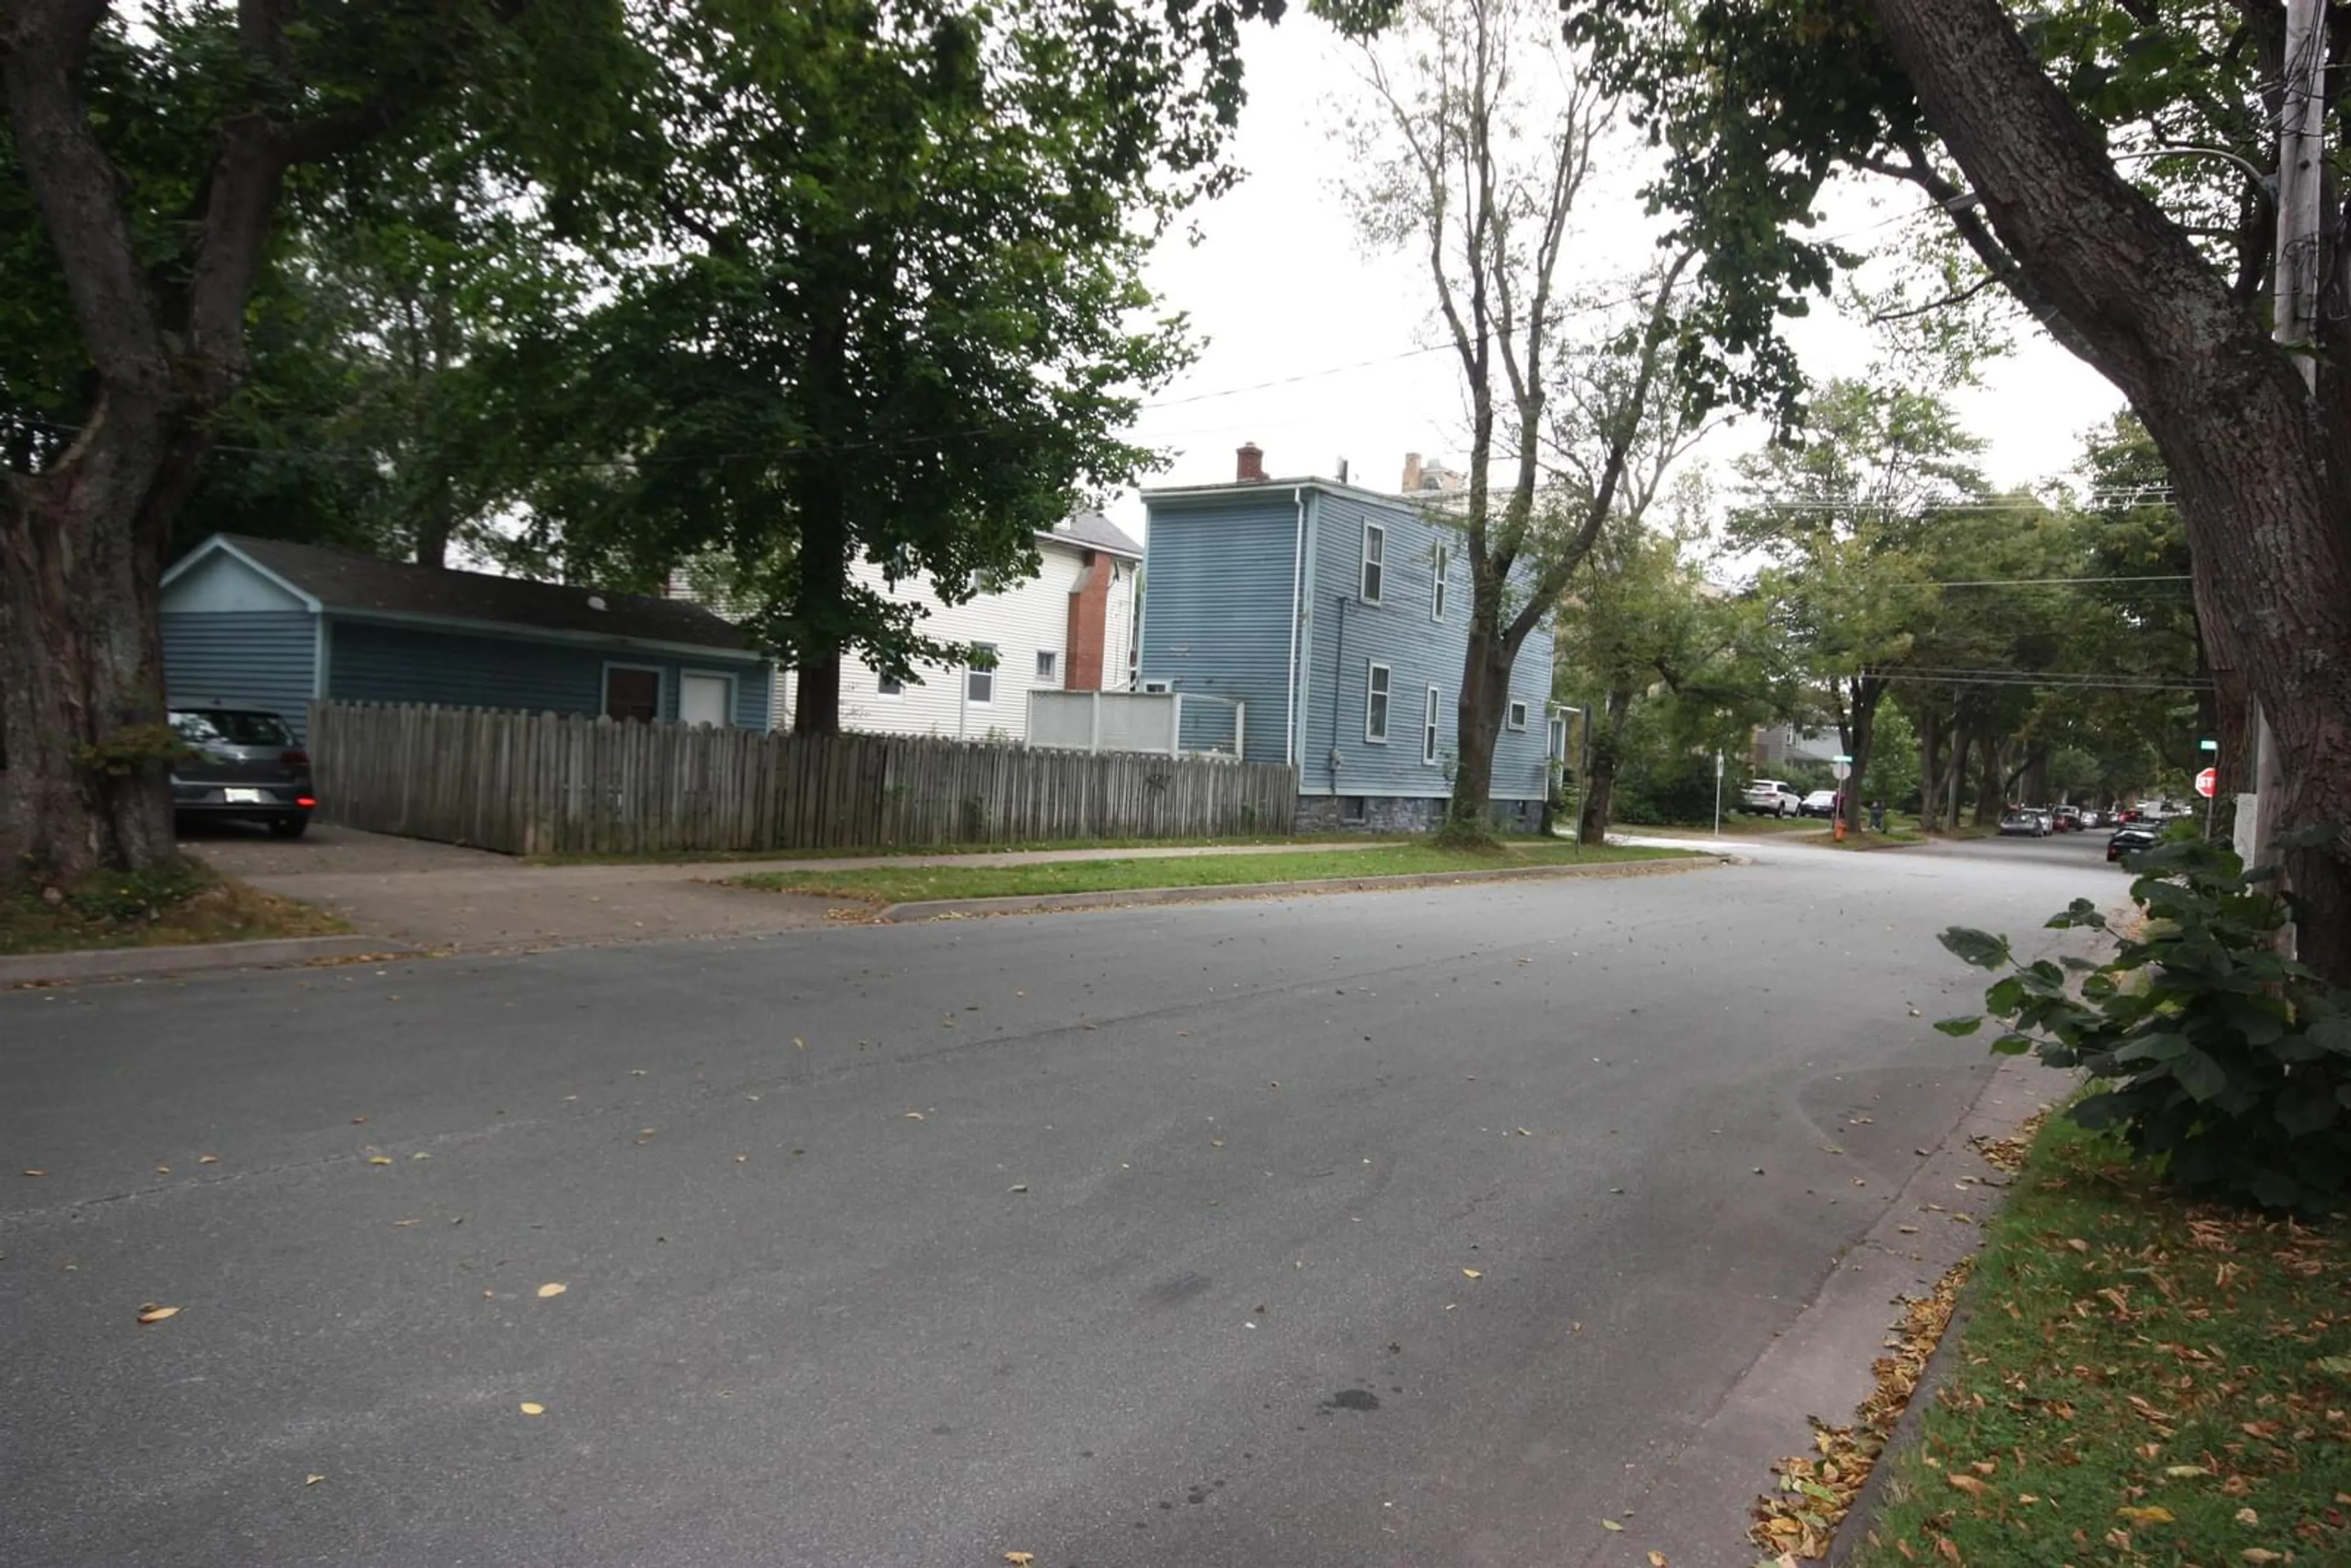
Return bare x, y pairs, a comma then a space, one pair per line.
564, 784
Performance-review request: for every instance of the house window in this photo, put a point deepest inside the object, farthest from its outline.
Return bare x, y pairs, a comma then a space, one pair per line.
1376, 553
1375, 704
890, 685
1351, 808
980, 679
1436, 584
1518, 715
1428, 729
1557, 749
632, 692
1159, 686
1048, 665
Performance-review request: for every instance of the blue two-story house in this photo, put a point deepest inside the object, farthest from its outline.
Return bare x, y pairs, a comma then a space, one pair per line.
1340, 617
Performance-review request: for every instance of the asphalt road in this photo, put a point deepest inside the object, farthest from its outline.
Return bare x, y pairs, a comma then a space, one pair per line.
1273, 1233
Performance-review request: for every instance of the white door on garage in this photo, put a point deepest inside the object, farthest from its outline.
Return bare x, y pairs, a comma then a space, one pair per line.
705, 700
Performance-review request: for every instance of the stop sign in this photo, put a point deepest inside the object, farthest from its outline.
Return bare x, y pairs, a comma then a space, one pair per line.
2207, 781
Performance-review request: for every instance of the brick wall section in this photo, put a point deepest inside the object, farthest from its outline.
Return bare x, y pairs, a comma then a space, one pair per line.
1089, 625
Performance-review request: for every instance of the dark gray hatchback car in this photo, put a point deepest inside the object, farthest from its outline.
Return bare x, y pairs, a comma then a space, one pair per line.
241, 765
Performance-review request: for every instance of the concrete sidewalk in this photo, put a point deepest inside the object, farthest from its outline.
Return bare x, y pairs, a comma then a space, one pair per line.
449, 899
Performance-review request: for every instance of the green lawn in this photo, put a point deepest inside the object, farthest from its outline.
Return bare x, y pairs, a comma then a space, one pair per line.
903, 884
2138, 1382
860, 852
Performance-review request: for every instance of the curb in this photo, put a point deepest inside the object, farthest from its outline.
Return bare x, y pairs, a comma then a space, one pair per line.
1038, 903
127, 962
1854, 1529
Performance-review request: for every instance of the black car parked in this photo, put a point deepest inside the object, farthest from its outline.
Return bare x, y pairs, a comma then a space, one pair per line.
241, 765
2131, 838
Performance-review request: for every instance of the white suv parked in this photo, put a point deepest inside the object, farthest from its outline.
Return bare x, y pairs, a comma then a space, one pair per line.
1770, 798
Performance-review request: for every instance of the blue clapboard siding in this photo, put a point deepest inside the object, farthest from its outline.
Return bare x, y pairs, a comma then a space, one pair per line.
1217, 599
1350, 636
373, 663
256, 658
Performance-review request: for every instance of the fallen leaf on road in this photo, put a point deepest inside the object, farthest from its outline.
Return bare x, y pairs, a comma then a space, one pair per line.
1606, 1523
1216, 1142
379, 1159
798, 1044
163, 1170
402, 1224
1831, 1149
741, 1158
552, 1288
1021, 1559
1522, 1132
152, 1313
1759, 1170
312, 1481
1657, 1560
1017, 1187
37, 1173
358, 1120
420, 1155
1473, 1273
914, 1115
207, 1159
529, 1408
1908, 1229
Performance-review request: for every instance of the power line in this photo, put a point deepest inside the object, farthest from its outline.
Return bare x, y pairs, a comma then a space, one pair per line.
2058, 581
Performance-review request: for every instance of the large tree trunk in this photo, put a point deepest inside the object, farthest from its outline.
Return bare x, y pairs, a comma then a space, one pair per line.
1478, 721
2263, 487
1989, 800
1600, 788
1860, 741
84, 748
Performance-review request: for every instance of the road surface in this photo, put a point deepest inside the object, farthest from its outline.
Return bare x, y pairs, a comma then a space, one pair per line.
1371, 1229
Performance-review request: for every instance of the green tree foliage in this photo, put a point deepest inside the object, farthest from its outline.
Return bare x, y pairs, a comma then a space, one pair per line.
891, 310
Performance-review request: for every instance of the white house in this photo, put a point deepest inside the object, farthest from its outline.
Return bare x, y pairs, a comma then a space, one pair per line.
1070, 628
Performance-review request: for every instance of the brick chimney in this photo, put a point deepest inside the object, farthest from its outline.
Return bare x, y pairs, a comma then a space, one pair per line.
1088, 625
1411, 472
1250, 468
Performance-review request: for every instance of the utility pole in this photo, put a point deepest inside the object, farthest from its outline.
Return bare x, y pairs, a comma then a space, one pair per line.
2301, 169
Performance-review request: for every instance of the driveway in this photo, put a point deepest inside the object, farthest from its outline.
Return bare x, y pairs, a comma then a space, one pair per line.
1372, 1230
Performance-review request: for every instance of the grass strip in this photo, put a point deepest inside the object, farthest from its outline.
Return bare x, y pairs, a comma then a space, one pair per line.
858, 852
2139, 1381
905, 884
178, 905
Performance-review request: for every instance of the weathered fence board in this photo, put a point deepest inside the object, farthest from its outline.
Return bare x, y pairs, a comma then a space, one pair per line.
554, 784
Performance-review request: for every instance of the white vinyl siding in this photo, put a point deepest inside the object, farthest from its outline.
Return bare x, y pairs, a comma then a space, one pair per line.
1428, 729
1375, 704
1376, 553
1437, 583
1020, 619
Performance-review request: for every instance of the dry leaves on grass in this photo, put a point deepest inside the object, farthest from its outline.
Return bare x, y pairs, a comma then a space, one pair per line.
1817, 1490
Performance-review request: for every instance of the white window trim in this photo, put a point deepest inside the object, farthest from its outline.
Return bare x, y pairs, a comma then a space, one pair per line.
1429, 730
1049, 664
1387, 703
1157, 686
992, 672
1555, 737
882, 688
1515, 715
1437, 583
604, 686
1363, 566
734, 692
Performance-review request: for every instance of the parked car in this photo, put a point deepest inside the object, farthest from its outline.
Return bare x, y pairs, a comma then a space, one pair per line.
2091, 819
241, 765
1819, 803
1770, 798
2023, 822
2130, 838
2065, 819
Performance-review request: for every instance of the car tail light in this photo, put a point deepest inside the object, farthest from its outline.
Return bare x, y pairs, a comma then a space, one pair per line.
295, 758
303, 802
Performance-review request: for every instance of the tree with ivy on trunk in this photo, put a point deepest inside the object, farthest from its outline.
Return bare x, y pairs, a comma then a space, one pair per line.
150, 152
2112, 168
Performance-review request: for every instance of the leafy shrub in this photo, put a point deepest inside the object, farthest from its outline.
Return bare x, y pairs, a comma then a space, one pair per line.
1678, 789
2220, 1060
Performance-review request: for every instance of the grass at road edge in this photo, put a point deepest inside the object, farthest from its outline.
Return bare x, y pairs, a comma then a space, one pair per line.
2137, 1381
183, 906
1013, 846
905, 884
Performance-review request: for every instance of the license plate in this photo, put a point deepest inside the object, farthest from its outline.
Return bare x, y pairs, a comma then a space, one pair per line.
243, 797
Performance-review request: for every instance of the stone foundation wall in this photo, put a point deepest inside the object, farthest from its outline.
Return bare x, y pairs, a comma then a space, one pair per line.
1401, 814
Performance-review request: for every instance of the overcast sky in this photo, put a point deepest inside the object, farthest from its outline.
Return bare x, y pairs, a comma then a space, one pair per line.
1281, 288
